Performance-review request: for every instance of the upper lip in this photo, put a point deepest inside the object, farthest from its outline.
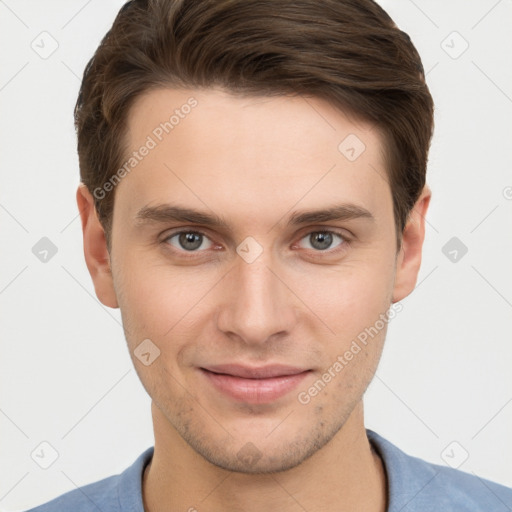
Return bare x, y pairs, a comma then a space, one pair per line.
253, 372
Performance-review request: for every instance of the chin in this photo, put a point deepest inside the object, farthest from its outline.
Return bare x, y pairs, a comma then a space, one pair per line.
260, 452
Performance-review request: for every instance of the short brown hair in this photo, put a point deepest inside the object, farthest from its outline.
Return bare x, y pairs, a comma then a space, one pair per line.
348, 52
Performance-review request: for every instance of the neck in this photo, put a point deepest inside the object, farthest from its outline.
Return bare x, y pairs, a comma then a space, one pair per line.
344, 475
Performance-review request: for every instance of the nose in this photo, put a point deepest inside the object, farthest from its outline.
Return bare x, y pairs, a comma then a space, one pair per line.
257, 305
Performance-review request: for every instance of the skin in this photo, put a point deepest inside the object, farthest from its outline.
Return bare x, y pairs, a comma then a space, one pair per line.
255, 161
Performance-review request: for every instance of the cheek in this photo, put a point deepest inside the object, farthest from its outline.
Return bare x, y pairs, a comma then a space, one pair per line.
155, 307
348, 298
161, 303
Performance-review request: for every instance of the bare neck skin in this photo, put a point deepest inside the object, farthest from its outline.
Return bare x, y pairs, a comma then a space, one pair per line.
344, 475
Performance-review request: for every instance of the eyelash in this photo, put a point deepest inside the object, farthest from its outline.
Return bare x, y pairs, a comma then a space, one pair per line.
346, 241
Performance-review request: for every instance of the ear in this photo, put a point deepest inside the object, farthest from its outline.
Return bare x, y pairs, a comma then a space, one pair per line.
409, 256
96, 254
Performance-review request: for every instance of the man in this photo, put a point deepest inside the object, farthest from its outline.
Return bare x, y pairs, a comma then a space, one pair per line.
253, 199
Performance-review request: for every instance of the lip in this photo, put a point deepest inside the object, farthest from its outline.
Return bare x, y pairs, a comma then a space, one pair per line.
256, 385
255, 372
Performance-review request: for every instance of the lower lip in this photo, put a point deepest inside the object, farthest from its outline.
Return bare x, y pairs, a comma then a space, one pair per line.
254, 391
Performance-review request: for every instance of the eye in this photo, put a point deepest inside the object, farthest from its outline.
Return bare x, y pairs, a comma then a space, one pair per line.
321, 240
189, 241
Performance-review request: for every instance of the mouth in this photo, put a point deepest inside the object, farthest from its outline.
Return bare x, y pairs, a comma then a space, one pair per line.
256, 385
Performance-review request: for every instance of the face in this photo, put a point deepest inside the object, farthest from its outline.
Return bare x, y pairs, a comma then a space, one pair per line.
248, 297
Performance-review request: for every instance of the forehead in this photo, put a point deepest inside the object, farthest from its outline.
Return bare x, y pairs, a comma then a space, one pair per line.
299, 120
209, 148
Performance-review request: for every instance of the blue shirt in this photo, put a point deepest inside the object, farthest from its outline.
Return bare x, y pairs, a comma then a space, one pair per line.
414, 485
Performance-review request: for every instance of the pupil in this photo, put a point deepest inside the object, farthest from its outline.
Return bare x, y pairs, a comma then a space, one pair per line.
190, 241
321, 240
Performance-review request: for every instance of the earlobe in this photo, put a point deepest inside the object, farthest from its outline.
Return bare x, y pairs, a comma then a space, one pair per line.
409, 256
96, 254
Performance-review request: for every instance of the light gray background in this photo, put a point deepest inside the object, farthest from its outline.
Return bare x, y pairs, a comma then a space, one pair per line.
66, 376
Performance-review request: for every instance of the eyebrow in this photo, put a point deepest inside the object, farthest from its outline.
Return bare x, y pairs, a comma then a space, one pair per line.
164, 213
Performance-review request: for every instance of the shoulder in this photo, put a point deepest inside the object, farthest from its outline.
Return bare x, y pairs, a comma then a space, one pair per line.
417, 485
116, 493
